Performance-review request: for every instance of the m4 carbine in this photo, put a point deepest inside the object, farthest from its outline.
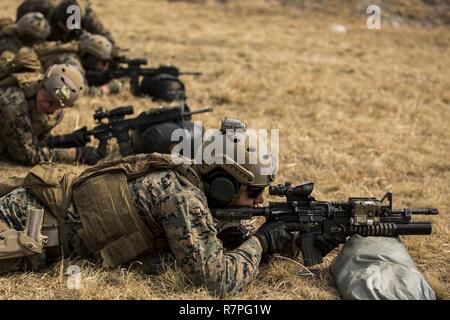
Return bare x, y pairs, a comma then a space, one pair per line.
322, 220
134, 70
118, 127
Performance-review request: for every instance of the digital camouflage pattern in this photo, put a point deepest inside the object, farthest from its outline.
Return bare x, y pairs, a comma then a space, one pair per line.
177, 211
22, 127
11, 43
182, 214
89, 21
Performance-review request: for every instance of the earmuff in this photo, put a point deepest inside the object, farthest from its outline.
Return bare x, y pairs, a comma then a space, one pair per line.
221, 187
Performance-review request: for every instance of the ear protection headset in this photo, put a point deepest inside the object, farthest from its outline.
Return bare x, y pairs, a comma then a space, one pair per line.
221, 187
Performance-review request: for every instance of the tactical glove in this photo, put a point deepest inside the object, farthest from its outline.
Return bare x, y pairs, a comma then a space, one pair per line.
327, 242
89, 155
275, 237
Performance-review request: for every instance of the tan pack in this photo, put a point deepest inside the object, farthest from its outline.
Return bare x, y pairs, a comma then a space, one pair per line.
51, 185
112, 226
50, 48
22, 70
7, 27
25, 61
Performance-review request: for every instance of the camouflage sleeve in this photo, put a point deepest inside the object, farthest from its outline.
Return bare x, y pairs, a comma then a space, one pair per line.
16, 131
193, 240
92, 24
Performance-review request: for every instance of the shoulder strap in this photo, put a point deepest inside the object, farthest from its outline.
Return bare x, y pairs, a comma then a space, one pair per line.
139, 165
7, 27
25, 61
55, 47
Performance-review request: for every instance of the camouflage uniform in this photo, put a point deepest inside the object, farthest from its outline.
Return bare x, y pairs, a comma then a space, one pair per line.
22, 127
89, 21
178, 212
11, 42
181, 212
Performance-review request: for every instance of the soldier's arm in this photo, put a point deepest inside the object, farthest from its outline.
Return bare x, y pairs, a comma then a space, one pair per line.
193, 240
16, 133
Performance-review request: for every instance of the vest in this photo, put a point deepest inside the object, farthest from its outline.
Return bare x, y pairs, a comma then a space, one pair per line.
22, 70
111, 226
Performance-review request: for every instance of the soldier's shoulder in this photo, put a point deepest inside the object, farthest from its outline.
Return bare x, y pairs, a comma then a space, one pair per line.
12, 98
14, 93
164, 184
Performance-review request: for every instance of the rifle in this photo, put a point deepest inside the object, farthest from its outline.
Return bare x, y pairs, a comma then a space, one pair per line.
118, 127
320, 220
134, 71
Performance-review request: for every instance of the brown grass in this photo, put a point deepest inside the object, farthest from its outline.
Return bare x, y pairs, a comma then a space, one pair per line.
359, 113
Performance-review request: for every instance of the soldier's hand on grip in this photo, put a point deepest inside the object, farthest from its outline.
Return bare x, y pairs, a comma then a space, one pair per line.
275, 237
89, 155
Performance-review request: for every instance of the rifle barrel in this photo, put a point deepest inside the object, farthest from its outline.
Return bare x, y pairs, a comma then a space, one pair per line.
422, 211
199, 111
191, 73
413, 228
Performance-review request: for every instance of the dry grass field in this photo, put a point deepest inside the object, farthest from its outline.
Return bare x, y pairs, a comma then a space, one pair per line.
360, 113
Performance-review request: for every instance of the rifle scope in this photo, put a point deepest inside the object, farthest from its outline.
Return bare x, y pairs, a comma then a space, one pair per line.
115, 113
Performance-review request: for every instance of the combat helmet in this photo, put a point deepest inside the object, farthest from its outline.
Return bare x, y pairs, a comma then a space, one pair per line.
34, 26
234, 159
96, 45
64, 83
163, 87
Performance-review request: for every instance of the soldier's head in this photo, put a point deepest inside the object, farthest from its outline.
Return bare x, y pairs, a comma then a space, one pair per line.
33, 27
163, 87
63, 85
237, 166
96, 52
62, 14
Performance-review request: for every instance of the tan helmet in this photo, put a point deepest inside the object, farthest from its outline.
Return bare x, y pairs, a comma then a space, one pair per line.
34, 25
96, 45
241, 154
65, 84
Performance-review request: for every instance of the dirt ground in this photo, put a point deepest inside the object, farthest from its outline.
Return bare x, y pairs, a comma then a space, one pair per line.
360, 112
